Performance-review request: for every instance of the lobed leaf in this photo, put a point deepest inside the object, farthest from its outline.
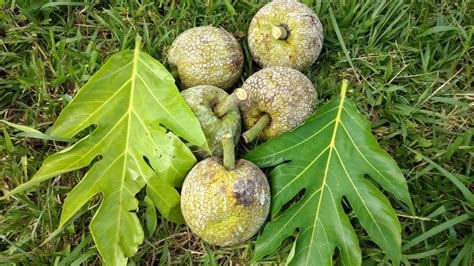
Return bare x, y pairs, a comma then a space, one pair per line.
326, 159
132, 101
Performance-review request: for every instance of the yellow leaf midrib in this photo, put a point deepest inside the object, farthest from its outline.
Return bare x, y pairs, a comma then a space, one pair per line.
127, 141
326, 170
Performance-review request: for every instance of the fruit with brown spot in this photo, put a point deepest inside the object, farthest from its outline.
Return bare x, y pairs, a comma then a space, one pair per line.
225, 203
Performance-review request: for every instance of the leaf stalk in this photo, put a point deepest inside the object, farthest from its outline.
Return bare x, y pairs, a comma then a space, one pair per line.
138, 42
344, 87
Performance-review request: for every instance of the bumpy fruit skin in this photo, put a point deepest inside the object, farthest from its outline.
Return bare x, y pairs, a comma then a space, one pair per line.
225, 207
207, 56
305, 35
284, 93
202, 99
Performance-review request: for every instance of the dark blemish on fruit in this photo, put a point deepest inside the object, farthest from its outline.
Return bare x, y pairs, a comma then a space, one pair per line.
243, 192
214, 102
238, 62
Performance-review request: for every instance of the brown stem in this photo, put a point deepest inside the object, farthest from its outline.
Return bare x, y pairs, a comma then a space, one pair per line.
279, 32
230, 102
228, 150
257, 129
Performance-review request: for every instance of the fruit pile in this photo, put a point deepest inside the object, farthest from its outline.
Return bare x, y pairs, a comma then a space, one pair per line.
225, 201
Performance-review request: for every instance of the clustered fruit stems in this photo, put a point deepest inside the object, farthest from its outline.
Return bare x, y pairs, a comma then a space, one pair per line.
257, 129
232, 101
228, 150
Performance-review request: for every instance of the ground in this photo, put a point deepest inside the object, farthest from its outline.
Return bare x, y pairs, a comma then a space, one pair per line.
411, 74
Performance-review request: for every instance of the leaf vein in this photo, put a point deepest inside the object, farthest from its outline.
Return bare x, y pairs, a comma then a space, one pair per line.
360, 197
159, 103
365, 159
99, 108
300, 143
302, 172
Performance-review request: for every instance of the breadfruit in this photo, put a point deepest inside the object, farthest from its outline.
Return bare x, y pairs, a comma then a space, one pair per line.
224, 206
218, 114
285, 33
206, 56
279, 99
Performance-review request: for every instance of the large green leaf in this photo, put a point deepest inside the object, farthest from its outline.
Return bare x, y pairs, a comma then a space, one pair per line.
132, 100
326, 159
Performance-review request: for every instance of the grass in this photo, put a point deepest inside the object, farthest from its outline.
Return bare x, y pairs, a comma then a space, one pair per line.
411, 70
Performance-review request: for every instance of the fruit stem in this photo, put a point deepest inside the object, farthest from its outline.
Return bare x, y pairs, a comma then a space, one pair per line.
228, 150
279, 33
230, 102
257, 129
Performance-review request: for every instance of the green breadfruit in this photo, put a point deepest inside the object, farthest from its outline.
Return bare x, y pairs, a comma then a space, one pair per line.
207, 56
285, 33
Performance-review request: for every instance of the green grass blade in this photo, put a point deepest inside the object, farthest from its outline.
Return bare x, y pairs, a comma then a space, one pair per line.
435, 230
